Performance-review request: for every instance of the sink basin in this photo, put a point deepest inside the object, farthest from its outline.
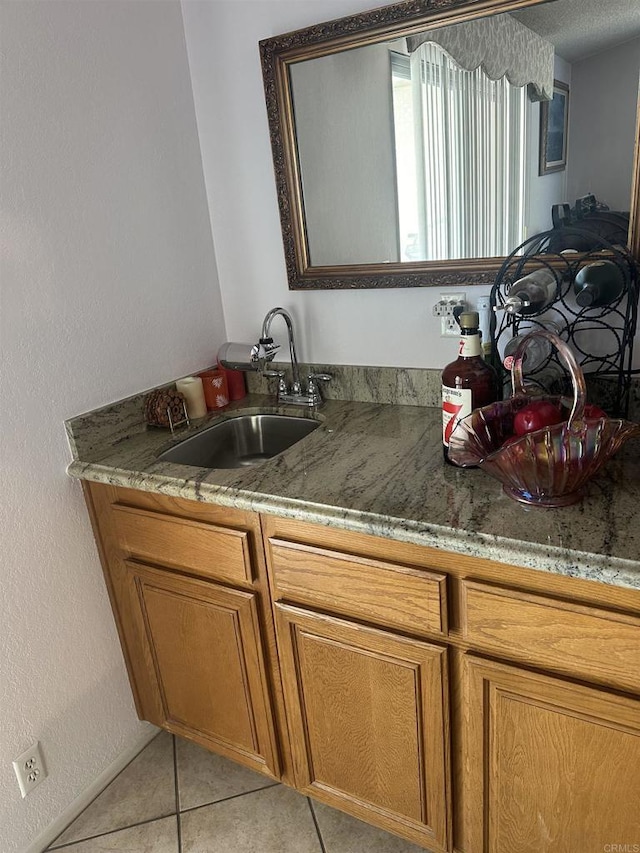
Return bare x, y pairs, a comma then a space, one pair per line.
241, 441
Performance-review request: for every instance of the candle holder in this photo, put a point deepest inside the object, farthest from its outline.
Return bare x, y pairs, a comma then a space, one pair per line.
166, 409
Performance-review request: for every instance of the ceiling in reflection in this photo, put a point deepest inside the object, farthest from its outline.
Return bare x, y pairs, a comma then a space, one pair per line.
581, 28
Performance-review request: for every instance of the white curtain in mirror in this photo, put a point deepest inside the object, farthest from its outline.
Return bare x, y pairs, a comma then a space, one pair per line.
460, 140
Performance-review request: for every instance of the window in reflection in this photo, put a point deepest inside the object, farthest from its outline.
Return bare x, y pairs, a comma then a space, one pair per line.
460, 164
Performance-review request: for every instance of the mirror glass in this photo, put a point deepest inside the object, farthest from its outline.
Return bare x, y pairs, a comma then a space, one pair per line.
403, 156
394, 145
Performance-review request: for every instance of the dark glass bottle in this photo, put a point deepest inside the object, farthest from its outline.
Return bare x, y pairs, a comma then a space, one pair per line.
599, 283
468, 382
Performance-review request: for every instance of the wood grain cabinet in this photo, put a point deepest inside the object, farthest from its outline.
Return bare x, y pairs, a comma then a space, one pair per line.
549, 765
467, 706
361, 637
368, 719
187, 589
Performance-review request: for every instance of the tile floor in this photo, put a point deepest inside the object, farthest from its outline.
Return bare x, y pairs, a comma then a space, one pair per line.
175, 797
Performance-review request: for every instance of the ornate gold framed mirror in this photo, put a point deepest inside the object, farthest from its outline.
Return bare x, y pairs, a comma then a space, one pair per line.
348, 154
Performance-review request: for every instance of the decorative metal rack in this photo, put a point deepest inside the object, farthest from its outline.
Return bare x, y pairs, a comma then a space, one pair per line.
601, 338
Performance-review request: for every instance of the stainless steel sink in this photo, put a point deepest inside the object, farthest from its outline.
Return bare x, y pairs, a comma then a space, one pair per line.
240, 441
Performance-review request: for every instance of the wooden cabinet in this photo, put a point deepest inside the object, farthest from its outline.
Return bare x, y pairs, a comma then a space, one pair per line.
368, 721
468, 706
204, 641
194, 643
549, 765
367, 706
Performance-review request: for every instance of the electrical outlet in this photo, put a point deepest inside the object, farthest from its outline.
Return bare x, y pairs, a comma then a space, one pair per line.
444, 309
447, 302
449, 327
29, 768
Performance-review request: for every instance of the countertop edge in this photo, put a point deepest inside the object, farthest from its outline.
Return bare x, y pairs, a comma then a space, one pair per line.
553, 560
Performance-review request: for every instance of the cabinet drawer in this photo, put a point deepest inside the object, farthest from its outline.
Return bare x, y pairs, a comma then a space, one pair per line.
196, 546
588, 642
390, 594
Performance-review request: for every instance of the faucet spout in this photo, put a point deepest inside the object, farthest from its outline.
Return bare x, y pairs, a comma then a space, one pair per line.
265, 337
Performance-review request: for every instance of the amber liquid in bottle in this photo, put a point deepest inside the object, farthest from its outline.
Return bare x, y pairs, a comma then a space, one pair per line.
468, 382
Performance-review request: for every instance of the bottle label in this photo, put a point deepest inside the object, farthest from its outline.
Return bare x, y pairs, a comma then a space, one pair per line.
469, 346
456, 404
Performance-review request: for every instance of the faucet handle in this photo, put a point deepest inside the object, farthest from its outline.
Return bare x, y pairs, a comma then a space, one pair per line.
279, 375
313, 388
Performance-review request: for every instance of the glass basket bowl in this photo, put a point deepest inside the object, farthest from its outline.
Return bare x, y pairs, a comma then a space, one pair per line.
548, 467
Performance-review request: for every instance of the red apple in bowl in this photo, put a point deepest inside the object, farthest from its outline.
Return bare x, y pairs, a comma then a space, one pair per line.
536, 415
591, 411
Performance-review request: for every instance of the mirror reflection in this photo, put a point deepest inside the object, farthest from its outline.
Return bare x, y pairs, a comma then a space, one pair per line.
428, 147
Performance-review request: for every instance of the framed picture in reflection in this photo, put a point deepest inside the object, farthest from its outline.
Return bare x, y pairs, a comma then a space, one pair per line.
554, 119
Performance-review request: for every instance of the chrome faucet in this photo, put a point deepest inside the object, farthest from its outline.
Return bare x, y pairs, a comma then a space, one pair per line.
294, 395
267, 342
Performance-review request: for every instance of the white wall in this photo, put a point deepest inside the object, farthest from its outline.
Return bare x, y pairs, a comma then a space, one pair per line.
109, 286
383, 327
602, 112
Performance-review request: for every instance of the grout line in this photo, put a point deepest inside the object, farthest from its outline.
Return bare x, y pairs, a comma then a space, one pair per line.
99, 794
232, 797
315, 823
109, 832
177, 792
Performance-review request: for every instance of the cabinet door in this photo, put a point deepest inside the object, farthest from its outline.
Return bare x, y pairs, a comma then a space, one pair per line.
204, 642
548, 765
367, 712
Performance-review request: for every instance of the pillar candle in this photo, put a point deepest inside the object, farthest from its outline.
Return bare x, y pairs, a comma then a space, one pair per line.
191, 387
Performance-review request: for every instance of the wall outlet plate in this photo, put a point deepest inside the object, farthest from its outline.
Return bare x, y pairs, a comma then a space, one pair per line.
447, 302
444, 309
449, 327
29, 768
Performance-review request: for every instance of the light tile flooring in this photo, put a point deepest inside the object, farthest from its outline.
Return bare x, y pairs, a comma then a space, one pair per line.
175, 797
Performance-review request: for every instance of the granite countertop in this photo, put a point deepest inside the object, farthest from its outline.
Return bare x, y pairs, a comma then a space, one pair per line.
378, 469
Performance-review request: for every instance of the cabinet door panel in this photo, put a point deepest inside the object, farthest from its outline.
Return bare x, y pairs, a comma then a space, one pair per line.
205, 646
368, 718
549, 766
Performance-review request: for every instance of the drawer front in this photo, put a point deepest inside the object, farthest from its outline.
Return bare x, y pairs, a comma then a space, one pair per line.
386, 593
195, 546
588, 642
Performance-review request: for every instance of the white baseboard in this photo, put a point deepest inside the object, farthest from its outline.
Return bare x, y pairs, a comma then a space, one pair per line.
90, 793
